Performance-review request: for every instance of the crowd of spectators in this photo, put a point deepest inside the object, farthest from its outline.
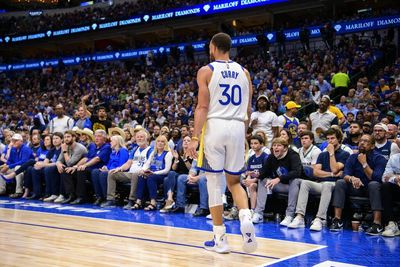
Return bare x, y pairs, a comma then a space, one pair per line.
132, 122
27, 24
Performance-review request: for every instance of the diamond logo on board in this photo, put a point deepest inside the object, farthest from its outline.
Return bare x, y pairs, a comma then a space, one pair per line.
48, 33
338, 27
206, 8
7, 39
94, 26
270, 36
117, 55
146, 17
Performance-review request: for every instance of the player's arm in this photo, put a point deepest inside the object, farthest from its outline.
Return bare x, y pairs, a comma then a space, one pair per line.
247, 121
203, 101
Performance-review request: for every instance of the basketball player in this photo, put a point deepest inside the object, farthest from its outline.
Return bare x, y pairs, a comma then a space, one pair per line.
222, 118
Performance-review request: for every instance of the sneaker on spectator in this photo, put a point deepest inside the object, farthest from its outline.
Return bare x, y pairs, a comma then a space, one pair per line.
50, 198
59, 199
232, 215
391, 230
317, 224
257, 218
108, 204
169, 204
337, 225
298, 222
286, 221
129, 205
219, 246
375, 229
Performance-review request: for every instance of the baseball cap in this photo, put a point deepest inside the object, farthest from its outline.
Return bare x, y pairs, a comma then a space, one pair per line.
16, 137
391, 113
367, 123
263, 96
327, 97
292, 104
381, 125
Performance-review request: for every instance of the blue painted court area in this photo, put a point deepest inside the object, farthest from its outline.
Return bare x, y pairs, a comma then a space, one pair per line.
346, 246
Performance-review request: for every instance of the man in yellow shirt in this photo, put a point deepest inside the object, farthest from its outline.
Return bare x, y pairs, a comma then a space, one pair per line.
339, 114
341, 82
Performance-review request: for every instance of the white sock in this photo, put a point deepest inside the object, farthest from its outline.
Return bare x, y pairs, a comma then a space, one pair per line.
219, 231
244, 213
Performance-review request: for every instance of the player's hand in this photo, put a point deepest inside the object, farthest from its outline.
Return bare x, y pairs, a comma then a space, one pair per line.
192, 149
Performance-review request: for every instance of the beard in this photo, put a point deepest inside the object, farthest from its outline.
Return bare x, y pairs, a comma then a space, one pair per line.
354, 135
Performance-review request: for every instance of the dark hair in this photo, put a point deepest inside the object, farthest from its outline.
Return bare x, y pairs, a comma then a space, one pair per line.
371, 136
222, 41
290, 141
307, 133
338, 134
58, 134
268, 103
101, 107
258, 138
358, 124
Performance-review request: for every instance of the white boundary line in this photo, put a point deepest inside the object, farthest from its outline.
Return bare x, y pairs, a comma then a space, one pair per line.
293, 256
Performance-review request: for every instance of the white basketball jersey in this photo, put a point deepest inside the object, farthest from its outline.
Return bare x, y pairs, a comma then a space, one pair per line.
229, 91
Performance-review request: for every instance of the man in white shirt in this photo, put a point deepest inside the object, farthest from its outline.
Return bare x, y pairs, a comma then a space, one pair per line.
262, 119
61, 123
135, 163
308, 152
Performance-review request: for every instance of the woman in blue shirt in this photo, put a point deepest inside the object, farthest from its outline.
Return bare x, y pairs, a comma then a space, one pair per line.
153, 173
118, 157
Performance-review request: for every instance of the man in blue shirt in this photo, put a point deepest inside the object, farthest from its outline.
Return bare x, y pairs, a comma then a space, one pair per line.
19, 154
391, 193
98, 156
362, 177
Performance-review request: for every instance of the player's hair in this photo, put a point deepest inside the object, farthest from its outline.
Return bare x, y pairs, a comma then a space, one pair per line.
222, 41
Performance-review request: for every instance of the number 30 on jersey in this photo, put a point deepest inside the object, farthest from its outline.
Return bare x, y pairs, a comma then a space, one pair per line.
231, 95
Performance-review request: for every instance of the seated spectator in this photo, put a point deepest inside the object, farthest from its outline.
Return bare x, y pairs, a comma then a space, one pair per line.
264, 147
48, 166
327, 170
35, 144
19, 154
349, 119
353, 137
86, 137
392, 133
75, 177
254, 164
362, 176
195, 178
153, 173
390, 192
133, 166
118, 157
382, 145
321, 120
281, 173
308, 153
71, 154
180, 166
285, 134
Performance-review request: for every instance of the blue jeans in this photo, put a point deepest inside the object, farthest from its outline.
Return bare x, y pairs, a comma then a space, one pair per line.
53, 181
37, 180
181, 191
99, 180
170, 182
151, 183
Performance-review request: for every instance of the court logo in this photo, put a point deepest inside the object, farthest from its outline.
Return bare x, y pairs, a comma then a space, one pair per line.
50, 207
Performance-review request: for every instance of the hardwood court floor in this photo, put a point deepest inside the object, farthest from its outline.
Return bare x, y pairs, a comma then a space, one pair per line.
31, 238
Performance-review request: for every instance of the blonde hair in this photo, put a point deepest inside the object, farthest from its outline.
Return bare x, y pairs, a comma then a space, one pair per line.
146, 133
281, 141
162, 138
120, 141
